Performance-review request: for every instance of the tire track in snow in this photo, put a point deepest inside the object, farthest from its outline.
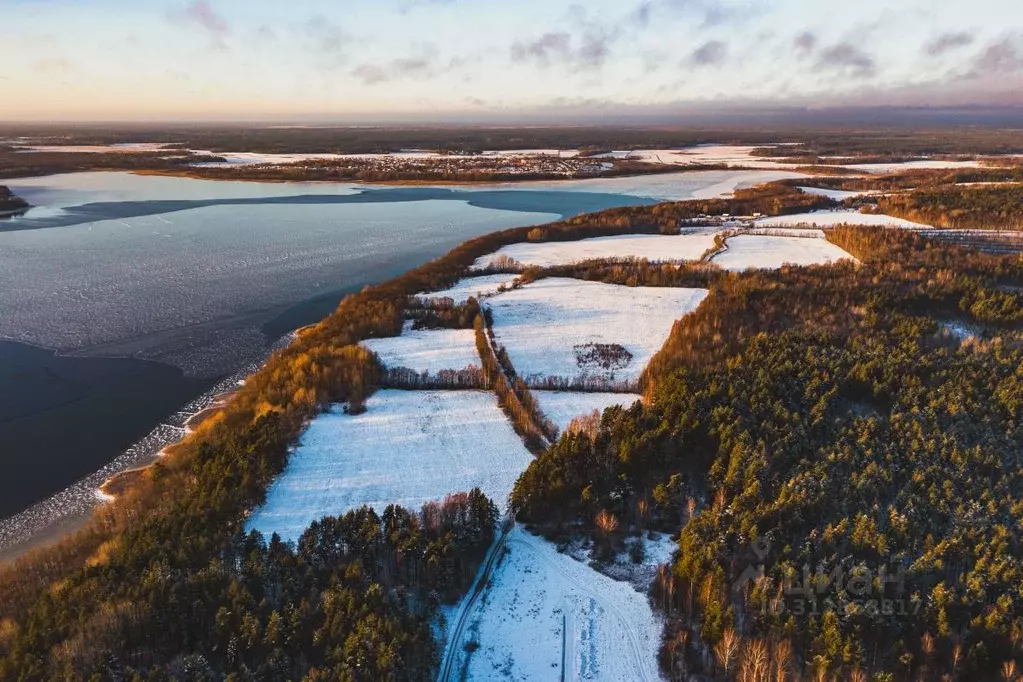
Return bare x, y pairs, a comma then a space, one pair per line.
467, 606
529, 542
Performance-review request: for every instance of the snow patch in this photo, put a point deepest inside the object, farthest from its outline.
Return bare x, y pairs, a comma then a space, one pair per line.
836, 194
921, 164
469, 287
408, 448
653, 247
561, 407
832, 218
542, 324
760, 251
543, 608
427, 350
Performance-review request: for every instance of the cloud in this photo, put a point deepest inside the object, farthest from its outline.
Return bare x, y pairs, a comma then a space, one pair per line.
711, 12
640, 16
846, 57
426, 64
543, 50
327, 41
201, 12
374, 74
710, 53
587, 51
948, 42
805, 42
1001, 57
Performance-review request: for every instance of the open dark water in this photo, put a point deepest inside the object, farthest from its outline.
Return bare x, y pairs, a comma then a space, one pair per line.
127, 300
124, 298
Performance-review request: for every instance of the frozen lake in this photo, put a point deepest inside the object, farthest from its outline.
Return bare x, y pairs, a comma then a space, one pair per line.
192, 280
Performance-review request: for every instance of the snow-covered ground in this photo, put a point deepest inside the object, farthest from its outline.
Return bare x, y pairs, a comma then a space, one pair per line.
831, 218
657, 550
427, 350
545, 324
468, 287
922, 164
758, 251
408, 448
679, 186
653, 247
561, 407
542, 608
836, 194
710, 154
256, 159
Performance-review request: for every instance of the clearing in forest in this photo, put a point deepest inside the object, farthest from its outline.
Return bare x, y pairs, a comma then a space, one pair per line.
652, 247
407, 448
759, 251
560, 328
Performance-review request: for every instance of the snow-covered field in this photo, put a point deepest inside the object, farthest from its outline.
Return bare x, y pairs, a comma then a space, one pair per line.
468, 287
758, 251
836, 194
408, 448
545, 324
561, 407
653, 247
256, 159
543, 607
922, 164
664, 186
427, 350
710, 154
830, 218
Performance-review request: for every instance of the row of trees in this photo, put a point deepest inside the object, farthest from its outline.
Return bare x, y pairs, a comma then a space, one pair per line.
845, 477
513, 395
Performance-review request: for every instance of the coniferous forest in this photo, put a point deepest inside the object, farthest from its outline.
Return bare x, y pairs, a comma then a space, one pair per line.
838, 449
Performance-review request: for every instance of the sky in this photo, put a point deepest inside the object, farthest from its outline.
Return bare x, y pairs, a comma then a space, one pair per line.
377, 60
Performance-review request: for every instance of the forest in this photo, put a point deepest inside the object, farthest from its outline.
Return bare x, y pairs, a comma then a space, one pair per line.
14, 164
828, 414
991, 207
842, 470
913, 179
893, 144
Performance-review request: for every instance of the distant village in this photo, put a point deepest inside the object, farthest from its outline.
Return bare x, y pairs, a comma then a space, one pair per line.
526, 165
